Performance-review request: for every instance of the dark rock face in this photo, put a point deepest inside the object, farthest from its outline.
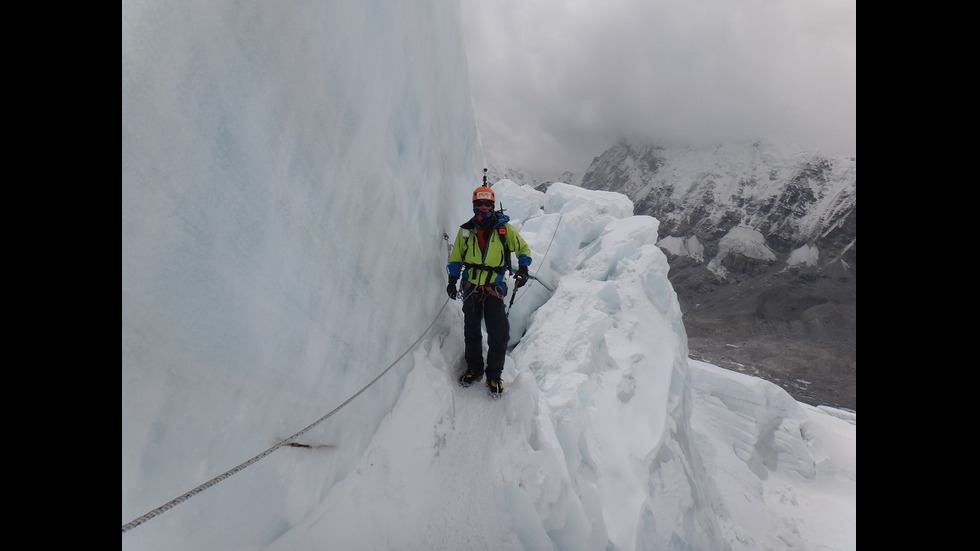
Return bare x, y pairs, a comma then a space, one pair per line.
796, 329
774, 316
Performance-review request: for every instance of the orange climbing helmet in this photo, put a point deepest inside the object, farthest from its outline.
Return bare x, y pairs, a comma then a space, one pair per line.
483, 193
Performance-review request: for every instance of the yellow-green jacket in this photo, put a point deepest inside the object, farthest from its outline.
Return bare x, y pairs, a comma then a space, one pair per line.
487, 267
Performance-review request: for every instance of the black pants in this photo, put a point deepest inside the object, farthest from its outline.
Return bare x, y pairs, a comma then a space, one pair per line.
491, 310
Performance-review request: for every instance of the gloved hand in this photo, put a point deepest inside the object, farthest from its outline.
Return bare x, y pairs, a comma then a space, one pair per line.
520, 277
451, 288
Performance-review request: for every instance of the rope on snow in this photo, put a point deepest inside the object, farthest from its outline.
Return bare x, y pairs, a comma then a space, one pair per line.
287, 442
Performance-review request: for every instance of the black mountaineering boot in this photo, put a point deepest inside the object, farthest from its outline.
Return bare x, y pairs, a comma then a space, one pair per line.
471, 376
496, 387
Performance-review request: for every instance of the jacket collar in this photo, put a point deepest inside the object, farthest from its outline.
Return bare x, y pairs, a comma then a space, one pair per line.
471, 223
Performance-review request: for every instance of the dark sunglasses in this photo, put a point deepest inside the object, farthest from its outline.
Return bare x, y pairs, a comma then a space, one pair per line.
483, 204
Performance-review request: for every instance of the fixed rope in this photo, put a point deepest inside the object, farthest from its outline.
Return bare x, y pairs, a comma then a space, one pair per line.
534, 277
187, 495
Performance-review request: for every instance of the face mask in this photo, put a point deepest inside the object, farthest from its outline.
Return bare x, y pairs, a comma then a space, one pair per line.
483, 216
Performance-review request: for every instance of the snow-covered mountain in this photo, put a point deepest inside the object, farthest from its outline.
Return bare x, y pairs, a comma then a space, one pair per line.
792, 198
762, 241
496, 173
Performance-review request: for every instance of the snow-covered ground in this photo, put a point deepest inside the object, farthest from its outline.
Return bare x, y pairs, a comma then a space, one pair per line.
606, 435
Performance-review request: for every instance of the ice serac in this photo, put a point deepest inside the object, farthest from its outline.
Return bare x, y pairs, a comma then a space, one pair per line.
264, 147
610, 283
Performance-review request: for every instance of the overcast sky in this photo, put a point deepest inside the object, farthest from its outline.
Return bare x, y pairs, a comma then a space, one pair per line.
556, 82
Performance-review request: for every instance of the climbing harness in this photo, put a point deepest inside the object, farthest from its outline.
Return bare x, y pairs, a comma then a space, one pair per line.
479, 293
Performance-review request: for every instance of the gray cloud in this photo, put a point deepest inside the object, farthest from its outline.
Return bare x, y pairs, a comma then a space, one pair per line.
555, 82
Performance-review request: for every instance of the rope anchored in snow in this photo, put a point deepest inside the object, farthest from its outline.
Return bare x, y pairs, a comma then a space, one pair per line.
287, 442
534, 277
